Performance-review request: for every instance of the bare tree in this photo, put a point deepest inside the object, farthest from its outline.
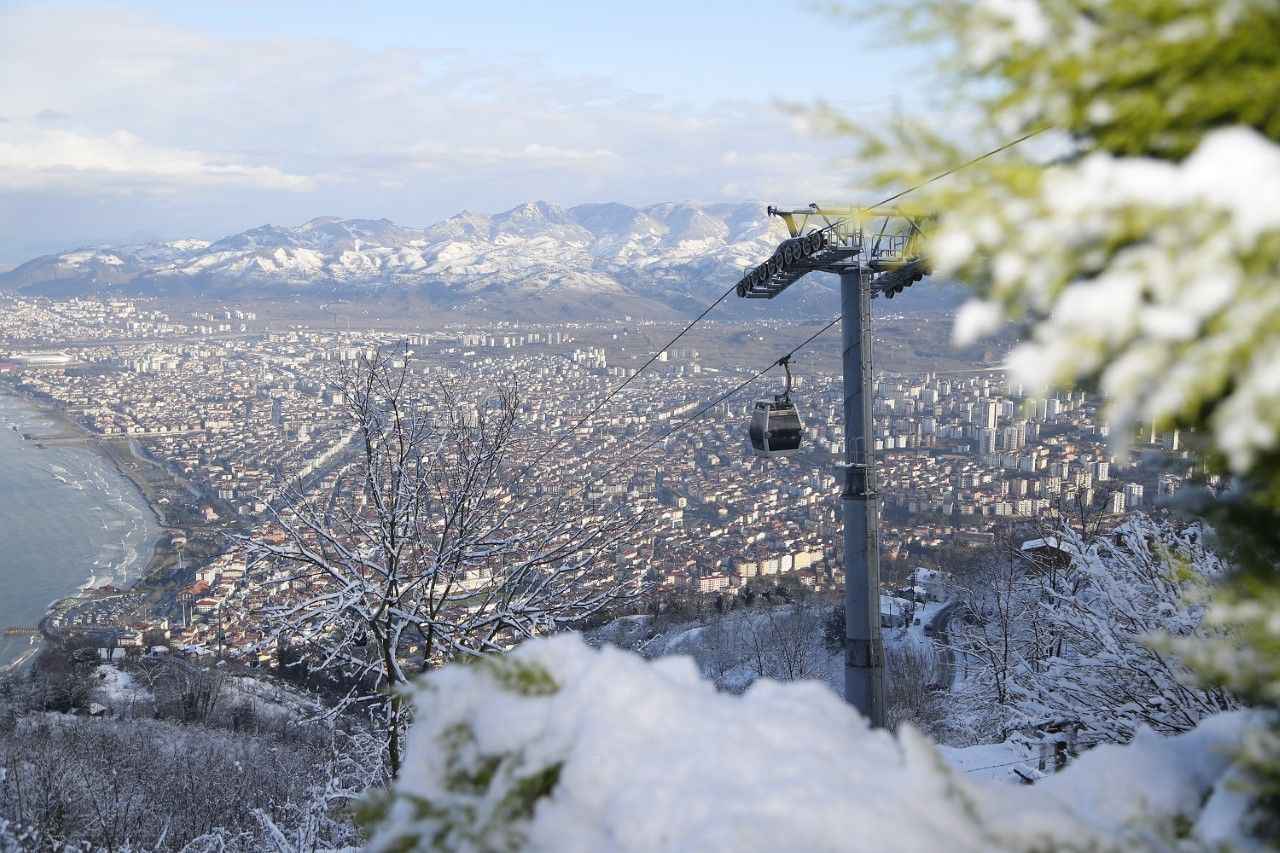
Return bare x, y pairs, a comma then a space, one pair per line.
139, 784
994, 613
1085, 517
785, 641
912, 695
993, 632
720, 638
187, 691
794, 631
440, 548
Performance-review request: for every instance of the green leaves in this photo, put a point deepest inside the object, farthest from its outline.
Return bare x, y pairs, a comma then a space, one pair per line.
1129, 77
1145, 259
478, 800
515, 676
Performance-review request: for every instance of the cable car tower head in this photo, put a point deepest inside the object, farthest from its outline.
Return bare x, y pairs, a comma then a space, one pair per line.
838, 240
776, 428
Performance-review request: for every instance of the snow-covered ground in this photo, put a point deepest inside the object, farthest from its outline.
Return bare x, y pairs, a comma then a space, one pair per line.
558, 746
118, 690
121, 693
271, 698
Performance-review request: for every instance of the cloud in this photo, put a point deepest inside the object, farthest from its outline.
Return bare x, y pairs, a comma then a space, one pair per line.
533, 155
289, 127
38, 158
554, 154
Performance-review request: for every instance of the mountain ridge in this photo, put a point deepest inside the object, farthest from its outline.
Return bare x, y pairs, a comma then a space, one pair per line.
589, 259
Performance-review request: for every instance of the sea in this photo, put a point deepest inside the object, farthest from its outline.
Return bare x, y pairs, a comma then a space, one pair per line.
68, 520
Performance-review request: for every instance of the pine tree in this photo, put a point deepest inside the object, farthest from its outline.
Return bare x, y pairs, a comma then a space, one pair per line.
1144, 258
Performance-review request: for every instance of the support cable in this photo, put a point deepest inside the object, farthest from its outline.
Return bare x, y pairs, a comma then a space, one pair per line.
653, 358
741, 385
964, 165
1087, 744
1005, 764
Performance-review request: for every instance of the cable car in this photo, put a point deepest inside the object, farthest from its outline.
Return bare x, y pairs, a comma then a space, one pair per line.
776, 428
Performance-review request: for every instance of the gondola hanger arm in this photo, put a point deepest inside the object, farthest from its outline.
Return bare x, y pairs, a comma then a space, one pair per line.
785, 364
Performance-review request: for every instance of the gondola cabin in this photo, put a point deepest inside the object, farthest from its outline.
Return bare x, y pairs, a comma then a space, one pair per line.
776, 428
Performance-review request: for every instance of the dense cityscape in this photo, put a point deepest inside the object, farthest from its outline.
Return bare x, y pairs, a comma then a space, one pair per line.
232, 411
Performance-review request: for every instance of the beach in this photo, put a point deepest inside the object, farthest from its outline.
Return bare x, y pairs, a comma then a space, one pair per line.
69, 519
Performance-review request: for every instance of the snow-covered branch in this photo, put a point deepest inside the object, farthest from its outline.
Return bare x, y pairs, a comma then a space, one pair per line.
431, 548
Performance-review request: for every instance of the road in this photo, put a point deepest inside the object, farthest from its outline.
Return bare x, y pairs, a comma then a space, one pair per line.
23, 660
938, 633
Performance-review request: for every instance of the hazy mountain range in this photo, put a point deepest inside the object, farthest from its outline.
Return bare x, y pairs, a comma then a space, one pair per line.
589, 259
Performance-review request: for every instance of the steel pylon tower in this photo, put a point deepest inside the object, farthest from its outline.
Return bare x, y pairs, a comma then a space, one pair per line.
868, 265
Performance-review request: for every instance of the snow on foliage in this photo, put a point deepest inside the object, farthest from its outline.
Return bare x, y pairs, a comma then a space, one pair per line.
558, 746
1145, 259
1159, 786
1145, 274
1103, 631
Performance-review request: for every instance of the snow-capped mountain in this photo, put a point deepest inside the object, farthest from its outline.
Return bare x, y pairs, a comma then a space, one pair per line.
670, 254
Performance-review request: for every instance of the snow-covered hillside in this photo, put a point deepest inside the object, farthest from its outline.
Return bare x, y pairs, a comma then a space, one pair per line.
664, 253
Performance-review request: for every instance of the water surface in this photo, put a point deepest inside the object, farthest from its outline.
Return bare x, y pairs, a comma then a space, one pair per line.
67, 519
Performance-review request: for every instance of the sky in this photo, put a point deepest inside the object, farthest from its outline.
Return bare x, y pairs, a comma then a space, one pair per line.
143, 120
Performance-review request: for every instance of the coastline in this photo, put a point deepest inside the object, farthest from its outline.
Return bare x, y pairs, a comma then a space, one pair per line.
149, 569
54, 412
96, 444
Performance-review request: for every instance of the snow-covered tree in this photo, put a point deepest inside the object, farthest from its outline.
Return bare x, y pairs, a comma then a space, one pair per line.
1137, 239
1103, 628
440, 548
1095, 643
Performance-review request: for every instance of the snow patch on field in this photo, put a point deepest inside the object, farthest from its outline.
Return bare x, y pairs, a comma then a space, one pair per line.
118, 689
271, 699
993, 762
